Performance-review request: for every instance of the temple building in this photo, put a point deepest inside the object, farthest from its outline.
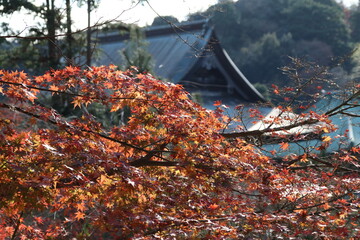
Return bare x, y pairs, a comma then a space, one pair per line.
189, 54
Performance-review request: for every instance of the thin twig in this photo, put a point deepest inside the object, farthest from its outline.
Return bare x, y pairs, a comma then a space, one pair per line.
17, 226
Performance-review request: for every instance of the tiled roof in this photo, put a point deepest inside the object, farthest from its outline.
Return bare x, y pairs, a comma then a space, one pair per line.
176, 50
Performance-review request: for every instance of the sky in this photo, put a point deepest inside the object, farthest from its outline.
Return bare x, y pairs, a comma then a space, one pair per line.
122, 10
127, 11
144, 13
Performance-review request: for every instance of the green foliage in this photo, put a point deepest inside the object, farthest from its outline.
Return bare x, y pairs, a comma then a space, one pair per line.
24, 54
164, 20
266, 54
43, 46
264, 90
135, 53
259, 17
10, 6
355, 59
37, 49
226, 20
355, 24
260, 34
320, 20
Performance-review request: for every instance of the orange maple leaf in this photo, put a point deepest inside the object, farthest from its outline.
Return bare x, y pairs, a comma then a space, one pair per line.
54, 88
213, 206
217, 103
273, 152
284, 145
71, 69
355, 149
39, 220
79, 215
81, 206
77, 102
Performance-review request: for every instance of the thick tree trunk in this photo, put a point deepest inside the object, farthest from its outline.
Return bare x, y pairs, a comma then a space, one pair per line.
69, 37
88, 35
50, 25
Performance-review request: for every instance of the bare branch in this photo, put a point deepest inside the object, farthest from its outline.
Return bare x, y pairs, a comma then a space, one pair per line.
322, 203
258, 133
96, 25
337, 109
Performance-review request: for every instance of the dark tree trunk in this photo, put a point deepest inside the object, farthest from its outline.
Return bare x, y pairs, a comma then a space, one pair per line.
88, 35
69, 37
51, 28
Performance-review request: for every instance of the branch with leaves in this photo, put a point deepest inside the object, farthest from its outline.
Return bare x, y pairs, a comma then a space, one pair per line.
168, 169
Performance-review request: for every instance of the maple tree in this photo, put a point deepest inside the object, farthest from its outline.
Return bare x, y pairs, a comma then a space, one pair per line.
169, 171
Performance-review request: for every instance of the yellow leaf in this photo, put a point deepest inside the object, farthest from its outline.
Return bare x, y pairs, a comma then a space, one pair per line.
142, 198
77, 102
104, 180
182, 96
326, 139
54, 88
109, 204
304, 158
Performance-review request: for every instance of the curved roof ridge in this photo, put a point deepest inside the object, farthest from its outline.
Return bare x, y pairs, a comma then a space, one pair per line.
249, 88
196, 50
178, 50
185, 24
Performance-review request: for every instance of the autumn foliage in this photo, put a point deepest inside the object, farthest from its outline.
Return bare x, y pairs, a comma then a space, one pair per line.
168, 172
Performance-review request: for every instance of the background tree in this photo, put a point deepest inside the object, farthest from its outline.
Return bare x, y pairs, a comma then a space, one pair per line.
319, 20
49, 14
354, 23
69, 35
91, 4
10, 6
46, 36
33, 46
295, 27
164, 20
135, 53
